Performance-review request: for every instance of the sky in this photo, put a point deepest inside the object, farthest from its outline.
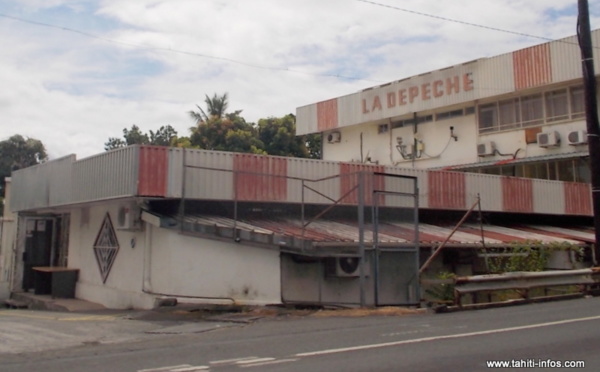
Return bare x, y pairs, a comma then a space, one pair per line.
74, 73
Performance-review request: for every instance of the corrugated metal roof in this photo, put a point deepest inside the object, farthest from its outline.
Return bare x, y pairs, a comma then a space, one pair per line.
530, 159
346, 233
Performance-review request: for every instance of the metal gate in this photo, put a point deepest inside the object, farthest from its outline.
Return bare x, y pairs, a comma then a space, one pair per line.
396, 268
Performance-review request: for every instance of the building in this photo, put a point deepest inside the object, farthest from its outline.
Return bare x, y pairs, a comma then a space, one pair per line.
130, 227
517, 114
133, 226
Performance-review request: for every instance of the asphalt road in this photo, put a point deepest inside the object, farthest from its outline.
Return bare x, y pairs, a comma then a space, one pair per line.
529, 335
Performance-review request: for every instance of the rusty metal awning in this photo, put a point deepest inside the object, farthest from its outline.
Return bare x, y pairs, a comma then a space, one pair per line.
531, 159
289, 233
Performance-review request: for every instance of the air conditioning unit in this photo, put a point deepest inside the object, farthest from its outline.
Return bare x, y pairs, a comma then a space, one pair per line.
577, 137
548, 139
334, 137
128, 217
345, 267
487, 148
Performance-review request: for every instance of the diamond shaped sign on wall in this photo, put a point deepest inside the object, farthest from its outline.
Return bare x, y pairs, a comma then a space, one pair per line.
106, 247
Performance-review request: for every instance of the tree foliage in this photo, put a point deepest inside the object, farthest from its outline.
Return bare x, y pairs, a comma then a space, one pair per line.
216, 129
279, 137
216, 107
19, 152
164, 136
229, 133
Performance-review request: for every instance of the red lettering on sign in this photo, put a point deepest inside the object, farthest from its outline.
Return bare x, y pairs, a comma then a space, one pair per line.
438, 88
426, 92
365, 110
468, 82
376, 104
402, 97
413, 92
391, 99
452, 84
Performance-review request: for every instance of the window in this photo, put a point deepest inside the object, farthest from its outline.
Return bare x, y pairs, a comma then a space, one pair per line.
449, 114
565, 170
540, 170
582, 170
494, 171
577, 103
508, 113
532, 110
424, 119
557, 105
488, 118
508, 170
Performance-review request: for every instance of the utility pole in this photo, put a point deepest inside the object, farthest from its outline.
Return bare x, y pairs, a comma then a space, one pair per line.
591, 113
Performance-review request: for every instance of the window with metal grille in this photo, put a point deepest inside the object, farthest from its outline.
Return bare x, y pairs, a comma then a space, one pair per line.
532, 110
488, 118
557, 105
508, 113
577, 102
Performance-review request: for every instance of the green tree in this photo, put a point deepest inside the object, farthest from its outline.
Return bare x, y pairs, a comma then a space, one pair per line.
19, 152
216, 107
314, 145
279, 138
216, 129
229, 133
164, 136
133, 136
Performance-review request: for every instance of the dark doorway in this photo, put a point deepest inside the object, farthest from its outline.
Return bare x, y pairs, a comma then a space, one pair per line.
40, 236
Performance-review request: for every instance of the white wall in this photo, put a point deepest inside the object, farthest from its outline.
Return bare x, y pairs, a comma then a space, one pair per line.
215, 270
8, 236
123, 287
175, 265
439, 149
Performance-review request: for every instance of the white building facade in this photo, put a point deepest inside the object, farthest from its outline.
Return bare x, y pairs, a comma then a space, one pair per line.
517, 114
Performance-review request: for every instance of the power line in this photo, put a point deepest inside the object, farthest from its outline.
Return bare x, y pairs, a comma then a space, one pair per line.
461, 22
184, 52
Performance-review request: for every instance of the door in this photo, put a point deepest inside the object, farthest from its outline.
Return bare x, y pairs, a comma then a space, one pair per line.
397, 268
39, 239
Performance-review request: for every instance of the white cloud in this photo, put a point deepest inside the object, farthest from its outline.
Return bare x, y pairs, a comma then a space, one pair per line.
73, 91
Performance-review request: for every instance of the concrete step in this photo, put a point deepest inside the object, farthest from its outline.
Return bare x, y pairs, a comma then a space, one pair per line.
46, 302
16, 304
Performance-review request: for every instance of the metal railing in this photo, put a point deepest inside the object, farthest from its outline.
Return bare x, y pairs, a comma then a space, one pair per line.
525, 282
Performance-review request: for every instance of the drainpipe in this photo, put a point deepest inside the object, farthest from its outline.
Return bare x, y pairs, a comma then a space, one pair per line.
415, 142
147, 283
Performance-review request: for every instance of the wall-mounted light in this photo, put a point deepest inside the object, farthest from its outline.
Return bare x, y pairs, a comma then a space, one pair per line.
452, 134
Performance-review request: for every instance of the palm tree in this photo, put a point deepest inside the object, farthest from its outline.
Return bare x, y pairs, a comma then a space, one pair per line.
215, 109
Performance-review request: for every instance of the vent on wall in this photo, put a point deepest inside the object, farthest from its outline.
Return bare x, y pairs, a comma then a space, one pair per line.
334, 137
487, 148
548, 139
128, 217
577, 137
344, 267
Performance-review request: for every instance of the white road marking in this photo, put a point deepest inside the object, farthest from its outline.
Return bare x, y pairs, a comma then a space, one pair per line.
257, 360
190, 369
228, 361
446, 337
277, 361
164, 369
